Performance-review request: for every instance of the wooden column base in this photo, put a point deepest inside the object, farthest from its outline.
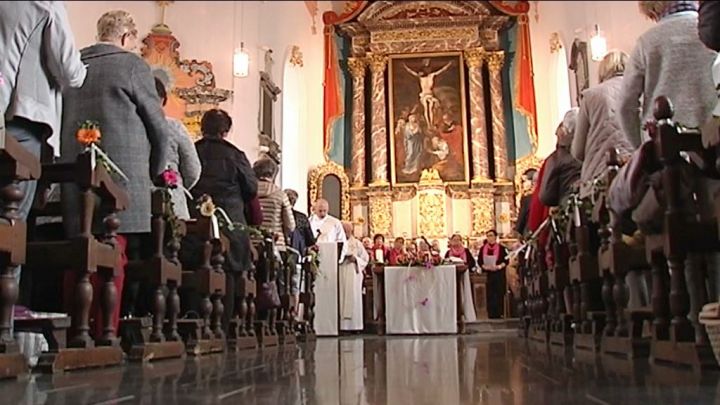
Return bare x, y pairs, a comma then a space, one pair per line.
285, 333
77, 359
561, 333
687, 354
264, 338
539, 332
156, 351
12, 365
590, 341
625, 347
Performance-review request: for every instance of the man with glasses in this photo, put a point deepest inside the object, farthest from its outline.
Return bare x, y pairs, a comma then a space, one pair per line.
119, 94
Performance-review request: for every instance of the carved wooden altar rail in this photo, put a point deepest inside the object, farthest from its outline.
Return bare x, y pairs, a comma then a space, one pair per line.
16, 164
379, 271
162, 271
85, 254
307, 299
205, 335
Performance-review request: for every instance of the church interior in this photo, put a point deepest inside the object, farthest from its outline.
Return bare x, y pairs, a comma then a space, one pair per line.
360, 202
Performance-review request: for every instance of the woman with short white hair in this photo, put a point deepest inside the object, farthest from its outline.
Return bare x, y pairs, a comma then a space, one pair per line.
597, 130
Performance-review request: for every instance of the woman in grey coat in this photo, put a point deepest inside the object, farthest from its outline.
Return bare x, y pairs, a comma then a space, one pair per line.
182, 157
597, 129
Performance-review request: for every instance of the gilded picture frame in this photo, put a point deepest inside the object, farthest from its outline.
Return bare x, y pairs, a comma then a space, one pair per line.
428, 117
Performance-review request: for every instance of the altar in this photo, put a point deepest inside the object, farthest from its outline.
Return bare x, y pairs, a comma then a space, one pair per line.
420, 301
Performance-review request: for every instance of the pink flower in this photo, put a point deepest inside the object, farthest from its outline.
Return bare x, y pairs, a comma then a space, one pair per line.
171, 178
425, 301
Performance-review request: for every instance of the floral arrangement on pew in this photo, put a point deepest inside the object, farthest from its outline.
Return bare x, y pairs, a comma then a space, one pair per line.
220, 218
89, 135
170, 181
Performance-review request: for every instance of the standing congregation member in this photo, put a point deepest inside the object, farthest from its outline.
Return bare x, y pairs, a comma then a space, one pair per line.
38, 60
353, 260
493, 261
326, 228
182, 157
119, 94
228, 178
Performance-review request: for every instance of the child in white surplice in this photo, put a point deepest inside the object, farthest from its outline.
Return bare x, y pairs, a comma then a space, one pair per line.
353, 260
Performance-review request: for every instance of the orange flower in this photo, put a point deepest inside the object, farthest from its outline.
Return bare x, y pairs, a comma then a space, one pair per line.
88, 133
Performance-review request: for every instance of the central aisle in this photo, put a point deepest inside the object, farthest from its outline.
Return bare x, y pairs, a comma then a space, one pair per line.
443, 370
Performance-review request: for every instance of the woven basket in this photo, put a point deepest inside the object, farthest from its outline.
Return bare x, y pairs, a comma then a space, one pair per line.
710, 318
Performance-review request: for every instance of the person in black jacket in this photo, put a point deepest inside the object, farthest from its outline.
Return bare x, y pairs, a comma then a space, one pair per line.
529, 178
709, 24
229, 179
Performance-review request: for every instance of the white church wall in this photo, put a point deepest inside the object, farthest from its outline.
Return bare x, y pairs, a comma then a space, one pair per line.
211, 31
621, 23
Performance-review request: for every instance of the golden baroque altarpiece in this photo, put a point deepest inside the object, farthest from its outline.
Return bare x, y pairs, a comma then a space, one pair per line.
431, 206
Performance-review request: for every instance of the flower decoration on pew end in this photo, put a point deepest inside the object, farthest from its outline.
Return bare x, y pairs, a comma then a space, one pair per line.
207, 208
88, 135
170, 178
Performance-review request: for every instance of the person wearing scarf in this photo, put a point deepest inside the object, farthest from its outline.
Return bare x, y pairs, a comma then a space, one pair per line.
493, 261
458, 250
380, 252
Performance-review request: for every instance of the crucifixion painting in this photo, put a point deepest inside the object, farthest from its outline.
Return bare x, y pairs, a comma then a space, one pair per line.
428, 128
427, 82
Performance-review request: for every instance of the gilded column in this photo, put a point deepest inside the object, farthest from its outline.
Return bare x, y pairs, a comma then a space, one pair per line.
479, 146
379, 133
495, 62
357, 70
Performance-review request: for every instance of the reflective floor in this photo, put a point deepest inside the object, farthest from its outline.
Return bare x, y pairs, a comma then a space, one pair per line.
370, 370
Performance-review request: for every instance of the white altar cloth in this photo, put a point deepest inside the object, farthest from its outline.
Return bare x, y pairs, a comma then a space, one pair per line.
420, 301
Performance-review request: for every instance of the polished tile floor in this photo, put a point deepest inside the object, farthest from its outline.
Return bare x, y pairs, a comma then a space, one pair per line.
480, 369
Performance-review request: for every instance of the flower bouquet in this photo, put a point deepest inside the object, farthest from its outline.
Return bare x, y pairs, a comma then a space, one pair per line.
207, 208
89, 135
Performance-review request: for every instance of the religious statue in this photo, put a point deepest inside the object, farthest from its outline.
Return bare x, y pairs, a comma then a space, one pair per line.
427, 82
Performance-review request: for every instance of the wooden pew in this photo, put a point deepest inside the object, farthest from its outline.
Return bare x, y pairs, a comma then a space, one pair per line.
141, 341
205, 335
307, 299
622, 336
285, 323
538, 280
674, 339
16, 164
241, 328
266, 328
86, 254
583, 264
559, 317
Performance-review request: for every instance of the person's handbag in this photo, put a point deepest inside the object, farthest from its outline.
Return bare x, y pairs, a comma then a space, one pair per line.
268, 296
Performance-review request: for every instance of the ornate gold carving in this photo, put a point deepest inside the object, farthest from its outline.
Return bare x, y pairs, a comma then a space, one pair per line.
474, 57
380, 207
555, 44
424, 34
357, 66
432, 214
378, 62
296, 56
430, 177
404, 193
457, 192
316, 178
521, 166
495, 60
483, 208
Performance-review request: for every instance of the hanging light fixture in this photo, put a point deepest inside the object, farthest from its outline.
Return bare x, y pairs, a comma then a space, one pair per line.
598, 45
241, 62
241, 59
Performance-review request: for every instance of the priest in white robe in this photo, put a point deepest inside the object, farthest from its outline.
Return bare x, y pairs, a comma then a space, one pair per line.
353, 260
325, 227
